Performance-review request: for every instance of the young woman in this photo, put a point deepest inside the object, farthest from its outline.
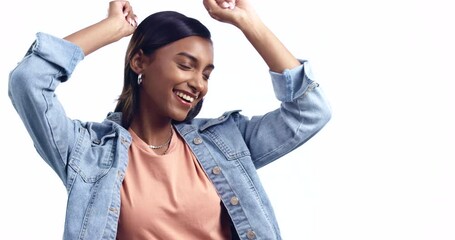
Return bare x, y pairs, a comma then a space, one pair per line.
152, 170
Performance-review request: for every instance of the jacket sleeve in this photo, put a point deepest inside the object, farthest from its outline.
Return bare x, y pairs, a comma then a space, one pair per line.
32, 84
303, 112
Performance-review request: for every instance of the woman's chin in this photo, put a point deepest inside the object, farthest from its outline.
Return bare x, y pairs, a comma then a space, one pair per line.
179, 117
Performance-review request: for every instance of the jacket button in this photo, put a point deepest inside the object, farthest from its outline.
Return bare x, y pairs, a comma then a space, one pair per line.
234, 201
114, 210
251, 234
119, 175
123, 141
216, 170
197, 140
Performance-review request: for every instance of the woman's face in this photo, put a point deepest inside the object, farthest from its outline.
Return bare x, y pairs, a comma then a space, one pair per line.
175, 78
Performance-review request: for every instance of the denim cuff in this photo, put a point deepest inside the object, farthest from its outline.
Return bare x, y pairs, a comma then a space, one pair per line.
292, 83
58, 51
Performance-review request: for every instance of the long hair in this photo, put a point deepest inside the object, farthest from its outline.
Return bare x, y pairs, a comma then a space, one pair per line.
154, 32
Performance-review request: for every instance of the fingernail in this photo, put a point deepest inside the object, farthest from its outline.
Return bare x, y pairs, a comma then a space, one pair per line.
225, 5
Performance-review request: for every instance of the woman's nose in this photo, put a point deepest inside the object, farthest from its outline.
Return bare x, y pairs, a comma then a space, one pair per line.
197, 84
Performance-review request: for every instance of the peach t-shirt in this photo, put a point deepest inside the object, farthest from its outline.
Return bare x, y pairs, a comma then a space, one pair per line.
169, 196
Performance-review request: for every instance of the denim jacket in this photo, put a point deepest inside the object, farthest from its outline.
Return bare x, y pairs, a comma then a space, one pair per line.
91, 158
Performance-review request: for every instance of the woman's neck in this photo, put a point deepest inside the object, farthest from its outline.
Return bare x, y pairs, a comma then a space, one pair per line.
152, 131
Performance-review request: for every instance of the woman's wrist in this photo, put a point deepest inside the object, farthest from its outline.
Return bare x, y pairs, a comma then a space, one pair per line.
114, 30
249, 23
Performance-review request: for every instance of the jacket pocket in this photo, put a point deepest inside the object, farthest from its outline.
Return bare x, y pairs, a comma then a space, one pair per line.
228, 139
94, 154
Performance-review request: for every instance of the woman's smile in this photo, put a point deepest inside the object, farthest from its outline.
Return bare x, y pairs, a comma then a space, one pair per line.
185, 98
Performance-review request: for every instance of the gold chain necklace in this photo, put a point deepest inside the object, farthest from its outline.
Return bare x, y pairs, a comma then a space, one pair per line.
164, 144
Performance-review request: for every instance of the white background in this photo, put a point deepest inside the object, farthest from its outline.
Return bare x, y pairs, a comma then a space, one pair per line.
383, 167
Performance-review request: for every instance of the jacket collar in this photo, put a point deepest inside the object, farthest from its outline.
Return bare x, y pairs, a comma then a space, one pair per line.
183, 126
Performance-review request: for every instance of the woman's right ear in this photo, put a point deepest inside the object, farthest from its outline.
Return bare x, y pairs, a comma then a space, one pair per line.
137, 62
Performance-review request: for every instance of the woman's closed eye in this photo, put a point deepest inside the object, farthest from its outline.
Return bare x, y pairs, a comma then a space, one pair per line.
189, 67
185, 66
206, 75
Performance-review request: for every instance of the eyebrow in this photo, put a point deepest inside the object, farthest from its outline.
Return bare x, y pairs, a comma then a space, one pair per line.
194, 59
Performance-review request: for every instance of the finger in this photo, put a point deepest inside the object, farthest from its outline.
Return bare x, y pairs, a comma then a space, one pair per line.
210, 5
119, 8
128, 12
126, 8
230, 3
216, 4
226, 4
132, 19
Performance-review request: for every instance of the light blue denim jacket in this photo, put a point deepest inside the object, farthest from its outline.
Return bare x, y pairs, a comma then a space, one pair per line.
91, 158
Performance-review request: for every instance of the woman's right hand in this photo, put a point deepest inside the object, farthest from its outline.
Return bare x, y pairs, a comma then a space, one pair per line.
120, 22
122, 11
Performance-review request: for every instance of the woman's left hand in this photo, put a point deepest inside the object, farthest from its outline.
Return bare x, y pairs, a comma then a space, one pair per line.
235, 12
242, 15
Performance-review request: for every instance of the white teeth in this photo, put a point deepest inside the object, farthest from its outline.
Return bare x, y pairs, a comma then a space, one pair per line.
185, 97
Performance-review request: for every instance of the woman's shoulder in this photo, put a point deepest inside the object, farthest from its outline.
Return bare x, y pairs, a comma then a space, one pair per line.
203, 123
111, 126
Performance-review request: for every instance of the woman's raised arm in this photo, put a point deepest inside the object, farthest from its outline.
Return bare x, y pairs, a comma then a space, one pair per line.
242, 15
120, 22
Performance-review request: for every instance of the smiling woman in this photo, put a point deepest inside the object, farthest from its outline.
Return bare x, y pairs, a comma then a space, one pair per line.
152, 170
150, 39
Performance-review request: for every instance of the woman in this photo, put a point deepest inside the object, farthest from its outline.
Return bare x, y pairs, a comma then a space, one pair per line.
152, 170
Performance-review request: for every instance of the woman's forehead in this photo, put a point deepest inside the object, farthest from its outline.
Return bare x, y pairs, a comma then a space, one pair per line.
197, 47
